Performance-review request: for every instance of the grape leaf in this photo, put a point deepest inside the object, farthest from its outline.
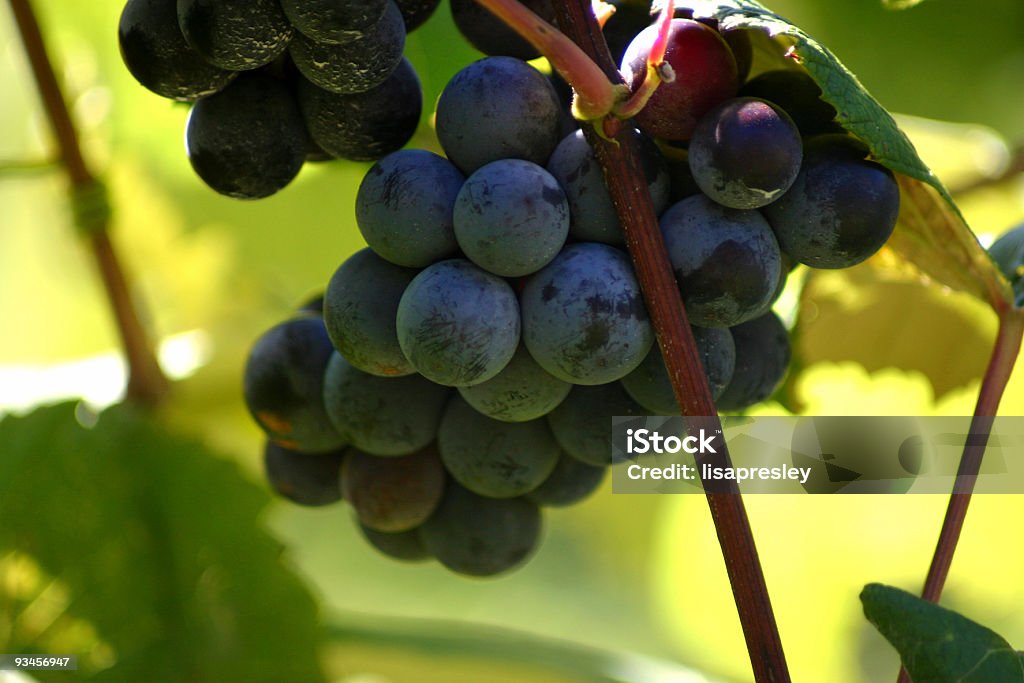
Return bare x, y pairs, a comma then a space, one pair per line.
900, 4
158, 543
931, 233
938, 645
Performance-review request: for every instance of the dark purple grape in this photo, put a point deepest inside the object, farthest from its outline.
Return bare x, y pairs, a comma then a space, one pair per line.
359, 311
762, 356
404, 207
498, 108
368, 125
569, 483
334, 21
284, 380
522, 391
650, 386
726, 261
584, 319
310, 479
457, 324
247, 141
356, 66
478, 536
235, 34
416, 12
393, 494
745, 153
841, 209
511, 218
387, 416
156, 54
404, 546
492, 458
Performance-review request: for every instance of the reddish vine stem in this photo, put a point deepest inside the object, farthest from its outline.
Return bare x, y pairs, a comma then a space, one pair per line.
1000, 367
146, 381
626, 181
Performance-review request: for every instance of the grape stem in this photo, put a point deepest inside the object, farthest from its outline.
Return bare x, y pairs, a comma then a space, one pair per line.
596, 94
146, 381
626, 182
1000, 367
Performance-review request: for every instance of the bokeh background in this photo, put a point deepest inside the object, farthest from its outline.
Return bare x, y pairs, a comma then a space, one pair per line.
624, 588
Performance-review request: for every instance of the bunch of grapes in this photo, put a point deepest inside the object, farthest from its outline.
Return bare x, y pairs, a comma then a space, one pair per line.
461, 372
276, 83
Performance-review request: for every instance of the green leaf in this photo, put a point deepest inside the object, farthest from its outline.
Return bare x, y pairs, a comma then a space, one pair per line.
938, 645
900, 4
158, 544
932, 233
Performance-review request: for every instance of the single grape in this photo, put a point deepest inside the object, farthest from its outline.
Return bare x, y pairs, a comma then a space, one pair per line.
490, 35
359, 310
726, 261
283, 385
578, 172
247, 141
358, 65
584, 319
235, 34
582, 423
368, 125
762, 356
416, 12
492, 458
511, 217
404, 207
458, 324
478, 536
334, 21
705, 74
156, 54
745, 153
841, 209
522, 391
393, 494
386, 416
405, 546
498, 108
309, 479
650, 386
798, 95
569, 483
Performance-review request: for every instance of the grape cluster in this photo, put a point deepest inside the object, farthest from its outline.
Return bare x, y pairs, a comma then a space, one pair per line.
463, 369
276, 83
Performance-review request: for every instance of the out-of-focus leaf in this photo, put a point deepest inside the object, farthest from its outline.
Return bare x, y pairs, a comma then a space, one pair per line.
900, 4
938, 645
158, 546
932, 232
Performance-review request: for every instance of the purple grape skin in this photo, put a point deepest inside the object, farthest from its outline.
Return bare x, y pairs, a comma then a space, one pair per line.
584, 319
726, 261
582, 423
745, 153
309, 479
235, 34
334, 21
458, 324
522, 391
762, 357
841, 209
569, 483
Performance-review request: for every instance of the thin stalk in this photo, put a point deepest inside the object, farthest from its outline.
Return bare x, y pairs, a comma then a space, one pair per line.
628, 186
146, 381
1000, 367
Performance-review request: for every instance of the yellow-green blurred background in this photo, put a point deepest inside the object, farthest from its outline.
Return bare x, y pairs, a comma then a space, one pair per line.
627, 588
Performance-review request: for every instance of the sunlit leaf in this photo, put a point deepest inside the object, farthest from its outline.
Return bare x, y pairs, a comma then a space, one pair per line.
932, 232
158, 544
938, 645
